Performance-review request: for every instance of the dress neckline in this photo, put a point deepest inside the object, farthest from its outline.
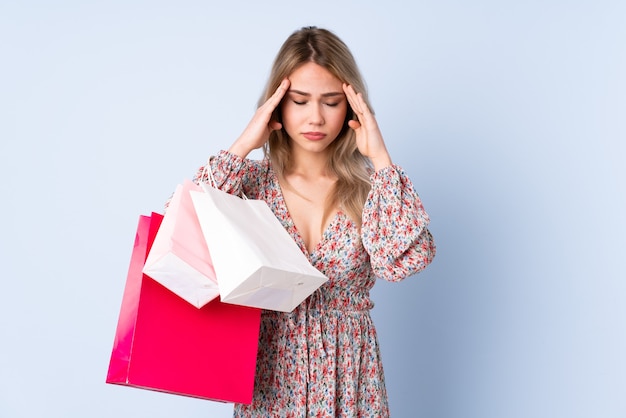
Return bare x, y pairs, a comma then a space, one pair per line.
296, 233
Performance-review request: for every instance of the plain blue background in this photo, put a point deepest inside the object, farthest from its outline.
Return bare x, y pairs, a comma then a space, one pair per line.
509, 117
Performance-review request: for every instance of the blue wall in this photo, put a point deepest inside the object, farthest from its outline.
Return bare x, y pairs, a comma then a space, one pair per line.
508, 116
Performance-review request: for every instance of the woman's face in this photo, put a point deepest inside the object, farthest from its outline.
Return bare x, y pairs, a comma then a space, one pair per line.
314, 109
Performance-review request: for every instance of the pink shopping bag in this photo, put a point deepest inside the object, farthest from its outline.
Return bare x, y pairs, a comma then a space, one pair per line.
165, 344
179, 258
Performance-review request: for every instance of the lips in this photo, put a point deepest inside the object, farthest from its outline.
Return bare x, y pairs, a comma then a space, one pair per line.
314, 136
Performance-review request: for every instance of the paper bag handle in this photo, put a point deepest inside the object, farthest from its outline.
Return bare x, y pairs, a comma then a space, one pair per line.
206, 171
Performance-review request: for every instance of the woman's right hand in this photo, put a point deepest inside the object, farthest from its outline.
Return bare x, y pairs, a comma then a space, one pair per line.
261, 126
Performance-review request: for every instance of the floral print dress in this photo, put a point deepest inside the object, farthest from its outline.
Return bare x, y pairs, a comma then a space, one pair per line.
323, 358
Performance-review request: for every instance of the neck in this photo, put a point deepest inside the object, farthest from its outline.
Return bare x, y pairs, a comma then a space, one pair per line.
309, 164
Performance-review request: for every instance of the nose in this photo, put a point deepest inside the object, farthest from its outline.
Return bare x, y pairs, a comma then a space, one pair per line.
316, 116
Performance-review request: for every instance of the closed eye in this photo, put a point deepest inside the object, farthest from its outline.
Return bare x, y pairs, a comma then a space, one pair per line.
332, 104
299, 102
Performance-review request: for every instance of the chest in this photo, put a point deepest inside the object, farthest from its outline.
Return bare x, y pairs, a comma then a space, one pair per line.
310, 209
337, 251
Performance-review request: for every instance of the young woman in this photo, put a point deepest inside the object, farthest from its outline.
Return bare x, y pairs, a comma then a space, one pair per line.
329, 179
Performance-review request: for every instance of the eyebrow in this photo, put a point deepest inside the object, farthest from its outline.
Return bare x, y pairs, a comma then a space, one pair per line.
302, 93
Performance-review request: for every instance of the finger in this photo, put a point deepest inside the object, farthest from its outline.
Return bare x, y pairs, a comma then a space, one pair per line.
357, 103
279, 93
274, 100
265, 111
351, 96
360, 103
354, 124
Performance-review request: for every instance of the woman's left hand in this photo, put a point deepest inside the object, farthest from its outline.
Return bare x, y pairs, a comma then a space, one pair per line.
369, 139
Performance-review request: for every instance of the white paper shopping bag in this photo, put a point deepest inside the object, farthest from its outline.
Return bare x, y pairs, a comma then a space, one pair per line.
179, 258
256, 261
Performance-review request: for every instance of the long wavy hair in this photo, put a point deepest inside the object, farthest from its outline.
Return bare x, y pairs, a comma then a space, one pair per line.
312, 44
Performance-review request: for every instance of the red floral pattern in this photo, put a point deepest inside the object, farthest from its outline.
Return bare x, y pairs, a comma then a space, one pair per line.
323, 359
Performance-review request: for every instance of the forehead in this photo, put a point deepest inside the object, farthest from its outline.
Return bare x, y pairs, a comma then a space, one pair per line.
313, 78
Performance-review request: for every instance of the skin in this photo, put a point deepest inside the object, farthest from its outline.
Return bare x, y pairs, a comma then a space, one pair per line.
313, 110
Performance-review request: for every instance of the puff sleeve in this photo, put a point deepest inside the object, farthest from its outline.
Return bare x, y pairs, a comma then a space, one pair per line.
394, 228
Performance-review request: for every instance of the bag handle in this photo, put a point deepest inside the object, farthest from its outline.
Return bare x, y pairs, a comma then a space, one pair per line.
207, 172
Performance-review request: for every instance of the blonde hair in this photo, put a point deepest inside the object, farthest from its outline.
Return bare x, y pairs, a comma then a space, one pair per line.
312, 44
